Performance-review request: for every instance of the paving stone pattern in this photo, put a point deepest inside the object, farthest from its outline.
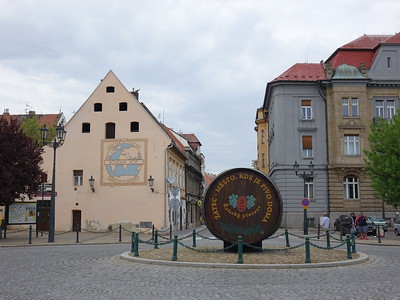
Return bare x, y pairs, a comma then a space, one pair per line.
96, 272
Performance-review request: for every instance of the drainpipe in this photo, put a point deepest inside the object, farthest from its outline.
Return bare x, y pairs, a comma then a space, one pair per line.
166, 204
322, 93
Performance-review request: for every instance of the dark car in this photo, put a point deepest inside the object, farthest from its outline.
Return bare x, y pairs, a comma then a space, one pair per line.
343, 224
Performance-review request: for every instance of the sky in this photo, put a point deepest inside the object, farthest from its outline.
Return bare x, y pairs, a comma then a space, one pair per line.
201, 66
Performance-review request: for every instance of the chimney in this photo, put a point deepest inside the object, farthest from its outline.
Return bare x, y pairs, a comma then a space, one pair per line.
135, 93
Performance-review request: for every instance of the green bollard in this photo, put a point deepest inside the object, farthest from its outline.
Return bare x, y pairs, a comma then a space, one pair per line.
328, 240
349, 256
156, 239
194, 238
287, 238
133, 242
240, 250
353, 243
175, 250
308, 259
136, 252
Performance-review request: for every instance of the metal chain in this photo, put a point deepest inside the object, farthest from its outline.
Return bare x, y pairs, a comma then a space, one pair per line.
207, 251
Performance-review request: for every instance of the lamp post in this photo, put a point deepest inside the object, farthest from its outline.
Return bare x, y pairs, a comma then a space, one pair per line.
305, 176
58, 141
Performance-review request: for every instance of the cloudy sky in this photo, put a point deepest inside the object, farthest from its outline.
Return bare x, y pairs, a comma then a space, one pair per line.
201, 66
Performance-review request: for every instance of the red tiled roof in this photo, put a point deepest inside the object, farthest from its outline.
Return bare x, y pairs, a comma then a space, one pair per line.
361, 50
303, 72
393, 40
47, 119
173, 137
366, 42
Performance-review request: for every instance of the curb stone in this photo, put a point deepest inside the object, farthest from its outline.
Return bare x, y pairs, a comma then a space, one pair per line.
361, 259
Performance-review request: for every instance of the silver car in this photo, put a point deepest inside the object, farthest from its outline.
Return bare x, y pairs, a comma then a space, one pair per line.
397, 227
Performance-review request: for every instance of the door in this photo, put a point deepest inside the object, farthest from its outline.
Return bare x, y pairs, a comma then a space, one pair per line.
76, 219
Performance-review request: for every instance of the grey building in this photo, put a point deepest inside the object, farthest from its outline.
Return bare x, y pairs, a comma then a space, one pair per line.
296, 119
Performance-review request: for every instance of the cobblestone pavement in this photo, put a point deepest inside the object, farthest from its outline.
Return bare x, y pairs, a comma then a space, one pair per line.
96, 272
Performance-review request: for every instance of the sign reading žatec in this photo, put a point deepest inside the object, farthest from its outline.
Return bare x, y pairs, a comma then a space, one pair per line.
242, 202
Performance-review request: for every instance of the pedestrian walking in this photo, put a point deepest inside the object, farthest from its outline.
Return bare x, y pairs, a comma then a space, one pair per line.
325, 223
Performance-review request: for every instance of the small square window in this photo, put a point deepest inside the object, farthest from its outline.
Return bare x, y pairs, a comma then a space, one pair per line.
85, 127
123, 106
78, 177
134, 126
110, 89
98, 107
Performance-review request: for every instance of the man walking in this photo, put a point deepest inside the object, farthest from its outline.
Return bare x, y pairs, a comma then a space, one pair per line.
325, 223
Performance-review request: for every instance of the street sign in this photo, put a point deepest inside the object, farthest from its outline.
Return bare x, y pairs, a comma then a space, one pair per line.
305, 202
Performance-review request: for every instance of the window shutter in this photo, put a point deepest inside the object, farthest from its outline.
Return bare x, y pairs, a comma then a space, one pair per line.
307, 142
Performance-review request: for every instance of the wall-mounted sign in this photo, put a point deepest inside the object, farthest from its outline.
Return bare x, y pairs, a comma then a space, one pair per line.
124, 162
22, 213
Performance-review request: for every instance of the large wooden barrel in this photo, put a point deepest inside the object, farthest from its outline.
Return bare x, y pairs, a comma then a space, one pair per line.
242, 202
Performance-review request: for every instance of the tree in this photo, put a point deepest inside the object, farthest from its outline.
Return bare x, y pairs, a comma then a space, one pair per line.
30, 126
383, 159
20, 159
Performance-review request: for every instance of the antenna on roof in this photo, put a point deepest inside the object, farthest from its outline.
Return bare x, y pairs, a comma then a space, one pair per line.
306, 56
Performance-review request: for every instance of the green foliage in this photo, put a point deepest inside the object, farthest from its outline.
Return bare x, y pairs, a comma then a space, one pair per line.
20, 159
30, 126
383, 159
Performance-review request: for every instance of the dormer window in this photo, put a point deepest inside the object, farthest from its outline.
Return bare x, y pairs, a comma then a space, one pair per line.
389, 62
110, 89
98, 107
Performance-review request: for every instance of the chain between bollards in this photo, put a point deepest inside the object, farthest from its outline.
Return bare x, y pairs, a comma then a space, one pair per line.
349, 256
307, 246
175, 250
240, 250
287, 238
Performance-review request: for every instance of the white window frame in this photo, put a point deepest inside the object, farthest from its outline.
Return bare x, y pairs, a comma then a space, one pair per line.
306, 113
351, 145
78, 177
390, 109
309, 182
345, 107
379, 108
351, 188
354, 107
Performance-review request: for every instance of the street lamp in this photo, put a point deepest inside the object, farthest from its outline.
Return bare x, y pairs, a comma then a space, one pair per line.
305, 176
58, 141
151, 183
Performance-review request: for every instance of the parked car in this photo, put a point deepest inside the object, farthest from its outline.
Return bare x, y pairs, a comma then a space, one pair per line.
343, 224
397, 227
373, 222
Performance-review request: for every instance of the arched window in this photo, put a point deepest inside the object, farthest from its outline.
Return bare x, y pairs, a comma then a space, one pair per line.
350, 187
110, 130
